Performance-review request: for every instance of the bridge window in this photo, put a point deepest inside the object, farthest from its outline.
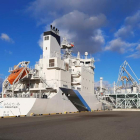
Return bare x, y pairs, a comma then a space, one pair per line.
65, 86
51, 62
87, 62
46, 37
79, 88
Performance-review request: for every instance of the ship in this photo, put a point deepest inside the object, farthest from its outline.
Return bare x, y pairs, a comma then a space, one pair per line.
59, 82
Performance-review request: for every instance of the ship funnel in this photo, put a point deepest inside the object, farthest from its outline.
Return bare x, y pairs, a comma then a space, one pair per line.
78, 55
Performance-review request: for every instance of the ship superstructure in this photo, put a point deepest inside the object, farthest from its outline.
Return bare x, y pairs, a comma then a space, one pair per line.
53, 70
56, 75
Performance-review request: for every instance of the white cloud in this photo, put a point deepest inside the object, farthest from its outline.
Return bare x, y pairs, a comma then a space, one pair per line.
130, 24
120, 46
49, 9
133, 20
83, 30
99, 36
124, 32
80, 22
40, 41
53, 8
136, 53
5, 37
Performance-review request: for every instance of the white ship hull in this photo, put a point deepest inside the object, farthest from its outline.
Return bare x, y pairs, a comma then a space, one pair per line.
58, 104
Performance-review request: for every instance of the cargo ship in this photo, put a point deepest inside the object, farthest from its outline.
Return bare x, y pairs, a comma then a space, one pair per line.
58, 83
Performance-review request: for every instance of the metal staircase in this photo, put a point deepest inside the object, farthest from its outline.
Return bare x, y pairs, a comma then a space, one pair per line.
48, 87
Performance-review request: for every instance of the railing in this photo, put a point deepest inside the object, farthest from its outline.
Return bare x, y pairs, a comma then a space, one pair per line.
90, 65
74, 56
75, 72
59, 55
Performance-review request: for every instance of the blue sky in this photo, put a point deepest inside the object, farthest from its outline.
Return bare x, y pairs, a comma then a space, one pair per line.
108, 30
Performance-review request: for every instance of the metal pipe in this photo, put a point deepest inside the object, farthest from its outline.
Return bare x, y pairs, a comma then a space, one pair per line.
101, 84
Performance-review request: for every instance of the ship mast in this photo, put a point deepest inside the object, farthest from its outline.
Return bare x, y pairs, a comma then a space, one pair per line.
67, 46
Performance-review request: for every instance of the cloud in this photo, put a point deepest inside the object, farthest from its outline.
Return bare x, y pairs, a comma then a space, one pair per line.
82, 21
98, 37
40, 41
130, 24
5, 37
83, 30
136, 53
54, 9
120, 46
124, 32
133, 20
46, 10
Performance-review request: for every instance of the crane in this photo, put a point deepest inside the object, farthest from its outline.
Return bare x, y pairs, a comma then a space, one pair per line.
135, 83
